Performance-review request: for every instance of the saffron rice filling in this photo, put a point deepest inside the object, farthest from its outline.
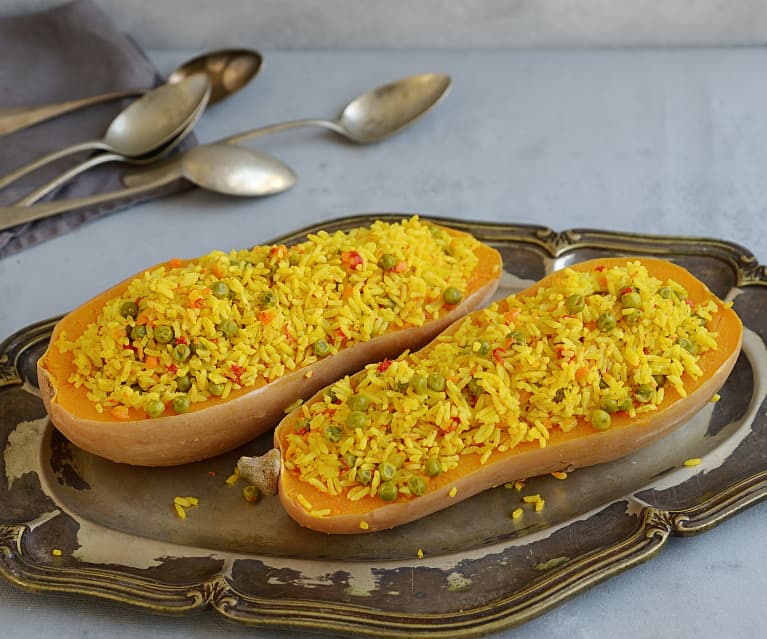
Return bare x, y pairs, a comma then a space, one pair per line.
594, 344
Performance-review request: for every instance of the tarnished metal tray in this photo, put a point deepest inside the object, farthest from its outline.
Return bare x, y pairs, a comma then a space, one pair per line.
481, 570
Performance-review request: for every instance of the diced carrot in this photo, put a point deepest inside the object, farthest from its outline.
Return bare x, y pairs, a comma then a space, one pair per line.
120, 412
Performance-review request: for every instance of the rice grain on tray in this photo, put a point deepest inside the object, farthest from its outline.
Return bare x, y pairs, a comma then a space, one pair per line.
187, 331
507, 376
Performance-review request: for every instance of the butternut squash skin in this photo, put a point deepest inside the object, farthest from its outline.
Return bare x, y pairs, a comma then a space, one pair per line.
220, 425
582, 446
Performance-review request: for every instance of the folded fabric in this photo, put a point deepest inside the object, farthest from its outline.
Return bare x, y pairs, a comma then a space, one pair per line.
66, 53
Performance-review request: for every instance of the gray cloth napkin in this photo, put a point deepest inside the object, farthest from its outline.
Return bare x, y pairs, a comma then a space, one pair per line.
69, 52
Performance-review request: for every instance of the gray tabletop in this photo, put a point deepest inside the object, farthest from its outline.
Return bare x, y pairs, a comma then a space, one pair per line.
659, 141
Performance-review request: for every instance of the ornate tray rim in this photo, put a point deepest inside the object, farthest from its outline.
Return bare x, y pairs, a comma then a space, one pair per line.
654, 526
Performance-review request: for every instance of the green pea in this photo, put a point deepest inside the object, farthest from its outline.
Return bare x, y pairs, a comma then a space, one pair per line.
665, 292
216, 389
387, 262
660, 380
419, 384
436, 382
364, 475
433, 467
321, 348
181, 404
687, 345
606, 322
401, 387
268, 298
349, 460
518, 337
163, 334
138, 332
229, 328
333, 433
220, 289
644, 393
625, 404
634, 316
609, 405
129, 309
356, 419
387, 470
154, 408
358, 402
416, 485
183, 383
631, 300
575, 303
302, 424
474, 388
452, 295
388, 491
483, 349
600, 419
181, 352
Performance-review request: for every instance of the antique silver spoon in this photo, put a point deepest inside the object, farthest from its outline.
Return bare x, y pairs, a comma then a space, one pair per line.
146, 125
369, 118
224, 168
227, 69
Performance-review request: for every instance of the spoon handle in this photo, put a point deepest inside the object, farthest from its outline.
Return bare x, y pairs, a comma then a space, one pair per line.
283, 126
14, 119
13, 215
42, 191
8, 178
143, 175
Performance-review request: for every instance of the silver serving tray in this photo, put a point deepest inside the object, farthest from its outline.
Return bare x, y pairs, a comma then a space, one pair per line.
481, 570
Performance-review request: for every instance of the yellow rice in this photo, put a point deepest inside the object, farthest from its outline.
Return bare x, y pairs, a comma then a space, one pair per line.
281, 300
506, 391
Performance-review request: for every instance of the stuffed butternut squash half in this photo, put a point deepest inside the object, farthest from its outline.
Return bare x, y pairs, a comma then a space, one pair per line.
190, 359
588, 365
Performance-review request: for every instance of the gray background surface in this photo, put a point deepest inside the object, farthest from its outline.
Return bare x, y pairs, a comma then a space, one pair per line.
652, 140
297, 24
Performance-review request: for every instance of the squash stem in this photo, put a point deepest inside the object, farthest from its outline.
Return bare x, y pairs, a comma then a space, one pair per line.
263, 472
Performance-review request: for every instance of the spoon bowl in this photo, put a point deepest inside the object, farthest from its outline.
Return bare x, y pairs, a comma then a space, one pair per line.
228, 70
387, 109
236, 170
158, 117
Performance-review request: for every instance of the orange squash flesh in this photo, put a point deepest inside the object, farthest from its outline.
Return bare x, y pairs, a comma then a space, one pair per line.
582, 446
219, 425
